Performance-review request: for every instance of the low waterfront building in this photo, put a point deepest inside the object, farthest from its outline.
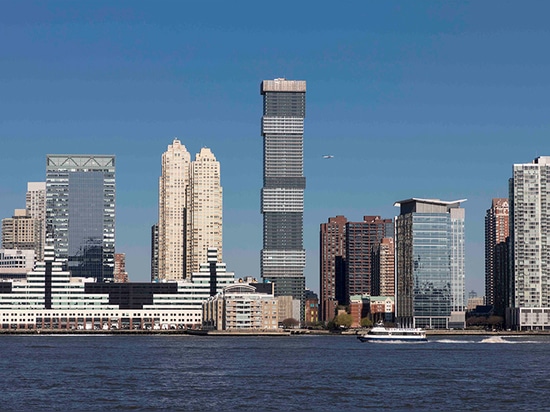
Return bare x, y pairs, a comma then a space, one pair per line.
241, 307
50, 298
377, 308
358, 308
288, 308
16, 263
382, 308
312, 308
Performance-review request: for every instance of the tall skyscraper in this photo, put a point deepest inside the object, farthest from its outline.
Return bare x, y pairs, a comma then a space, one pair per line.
35, 203
190, 212
80, 213
429, 254
173, 186
283, 256
529, 292
332, 236
361, 237
205, 210
496, 232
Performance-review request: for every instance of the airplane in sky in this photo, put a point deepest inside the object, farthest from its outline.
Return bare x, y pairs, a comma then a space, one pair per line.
328, 156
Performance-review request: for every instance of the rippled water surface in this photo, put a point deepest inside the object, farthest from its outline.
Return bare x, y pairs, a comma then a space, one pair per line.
273, 373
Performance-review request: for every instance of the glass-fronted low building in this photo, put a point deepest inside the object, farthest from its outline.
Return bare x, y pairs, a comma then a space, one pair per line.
429, 261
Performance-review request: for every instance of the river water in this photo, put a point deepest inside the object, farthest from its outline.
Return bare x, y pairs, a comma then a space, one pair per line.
322, 373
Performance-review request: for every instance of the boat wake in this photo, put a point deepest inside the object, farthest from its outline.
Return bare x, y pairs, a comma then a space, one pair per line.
489, 339
496, 339
454, 341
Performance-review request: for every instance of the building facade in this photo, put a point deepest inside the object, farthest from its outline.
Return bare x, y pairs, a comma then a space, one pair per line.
35, 203
21, 232
312, 308
172, 224
332, 237
240, 307
429, 254
496, 233
283, 256
529, 284
120, 274
383, 268
361, 238
155, 252
80, 213
51, 298
16, 263
205, 210
190, 212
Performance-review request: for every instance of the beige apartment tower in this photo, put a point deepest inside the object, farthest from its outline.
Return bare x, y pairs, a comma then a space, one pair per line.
190, 211
21, 232
383, 270
35, 204
204, 210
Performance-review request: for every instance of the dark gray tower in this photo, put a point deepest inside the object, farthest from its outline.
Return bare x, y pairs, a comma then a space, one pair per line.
283, 256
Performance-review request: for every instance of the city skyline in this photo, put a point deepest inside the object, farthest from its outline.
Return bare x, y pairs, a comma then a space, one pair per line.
395, 91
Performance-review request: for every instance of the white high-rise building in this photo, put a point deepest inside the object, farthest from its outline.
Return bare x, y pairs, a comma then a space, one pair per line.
190, 211
36, 208
529, 294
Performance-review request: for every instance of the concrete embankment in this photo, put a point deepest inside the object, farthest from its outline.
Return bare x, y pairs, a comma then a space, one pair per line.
89, 332
282, 332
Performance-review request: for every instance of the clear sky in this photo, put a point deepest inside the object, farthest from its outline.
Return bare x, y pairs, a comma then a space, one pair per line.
413, 99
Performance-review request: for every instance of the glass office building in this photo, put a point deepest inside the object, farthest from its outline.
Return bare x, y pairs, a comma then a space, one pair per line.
80, 213
429, 262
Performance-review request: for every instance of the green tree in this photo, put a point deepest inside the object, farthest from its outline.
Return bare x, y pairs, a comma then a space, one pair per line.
343, 320
366, 323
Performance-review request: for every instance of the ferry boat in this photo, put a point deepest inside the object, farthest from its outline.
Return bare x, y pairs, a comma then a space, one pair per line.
379, 333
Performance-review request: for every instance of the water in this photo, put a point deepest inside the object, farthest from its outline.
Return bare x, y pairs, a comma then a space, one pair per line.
465, 373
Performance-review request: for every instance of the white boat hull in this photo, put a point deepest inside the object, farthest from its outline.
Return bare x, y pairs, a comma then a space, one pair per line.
383, 339
381, 334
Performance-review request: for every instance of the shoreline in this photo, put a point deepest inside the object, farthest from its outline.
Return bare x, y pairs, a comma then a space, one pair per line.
285, 332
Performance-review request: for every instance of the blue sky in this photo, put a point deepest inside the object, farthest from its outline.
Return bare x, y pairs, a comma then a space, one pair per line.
414, 99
